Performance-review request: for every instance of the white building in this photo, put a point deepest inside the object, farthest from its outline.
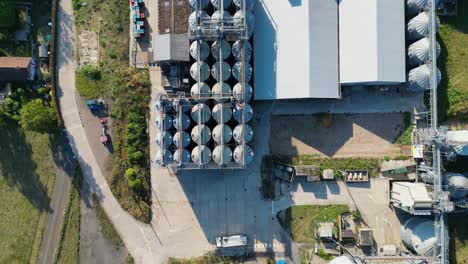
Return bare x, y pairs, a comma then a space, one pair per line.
411, 197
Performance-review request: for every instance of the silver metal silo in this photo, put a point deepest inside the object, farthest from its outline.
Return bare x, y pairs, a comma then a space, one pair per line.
221, 71
219, 16
248, 92
222, 155
413, 7
222, 134
419, 26
164, 122
246, 130
457, 183
201, 134
221, 49
200, 71
236, 50
248, 3
249, 20
182, 159
201, 113
419, 52
164, 157
197, 17
221, 113
243, 155
201, 154
237, 70
199, 48
199, 4
418, 234
164, 139
185, 119
218, 4
221, 91
181, 139
419, 78
242, 109
200, 90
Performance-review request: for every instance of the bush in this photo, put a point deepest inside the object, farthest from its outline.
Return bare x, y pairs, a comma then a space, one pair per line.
47, 76
135, 157
35, 116
91, 72
111, 53
43, 90
10, 105
88, 82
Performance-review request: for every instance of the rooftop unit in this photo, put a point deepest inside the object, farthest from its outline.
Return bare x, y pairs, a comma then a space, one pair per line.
411, 197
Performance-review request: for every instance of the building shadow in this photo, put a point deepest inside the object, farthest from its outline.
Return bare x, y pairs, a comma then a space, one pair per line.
295, 3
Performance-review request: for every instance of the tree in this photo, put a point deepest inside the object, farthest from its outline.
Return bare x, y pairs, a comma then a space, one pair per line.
7, 14
35, 116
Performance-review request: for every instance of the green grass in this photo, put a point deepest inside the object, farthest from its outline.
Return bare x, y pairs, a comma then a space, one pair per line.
209, 258
337, 164
27, 175
453, 61
299, 220
458, 232
405, 137
106, 226
88, 88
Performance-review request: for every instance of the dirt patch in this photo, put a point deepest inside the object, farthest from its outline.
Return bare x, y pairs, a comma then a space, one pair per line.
89, 48
339, 135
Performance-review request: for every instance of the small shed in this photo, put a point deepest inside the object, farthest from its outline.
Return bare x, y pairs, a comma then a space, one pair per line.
171, 47
43, 51
366, 238
325, 229
328, 174
310, 171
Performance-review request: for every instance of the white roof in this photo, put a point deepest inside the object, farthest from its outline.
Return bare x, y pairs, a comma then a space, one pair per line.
372, 41
410, 193
459, 136
296, 49
231, 241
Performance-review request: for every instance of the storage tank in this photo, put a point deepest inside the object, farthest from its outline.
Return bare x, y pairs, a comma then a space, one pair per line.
236, 50
218, 4
216, 17
201, 154
240, 109
222, 133
221, 46
248, 3
413, 7
239, 129
341, 260
165, 120
248, 92
185, 122
418, 235
185, 105
461, 150
163, 106
221, 113
419, 52
236, 71
239, 154
222, 155
458, 184
201, 134
200, 90
221, 90
419, 26
182, 159
183, 137
201, 113
196, 4
164, 157
419, 79
200, 70
249, 20
164, 139
196, 17
199, 48
221, 71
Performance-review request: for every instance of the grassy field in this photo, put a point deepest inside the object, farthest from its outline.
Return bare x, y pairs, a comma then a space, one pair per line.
299, 220
27, 175
86, 87
405, 137
372, 165
453, 61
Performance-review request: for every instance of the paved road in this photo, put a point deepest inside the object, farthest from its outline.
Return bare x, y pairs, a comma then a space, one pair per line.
58, 203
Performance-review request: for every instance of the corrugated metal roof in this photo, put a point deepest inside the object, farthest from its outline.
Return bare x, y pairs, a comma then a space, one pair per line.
171, 47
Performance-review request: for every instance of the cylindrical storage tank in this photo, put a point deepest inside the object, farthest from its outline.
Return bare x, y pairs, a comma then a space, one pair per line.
219, 47
249, 20
248, 3
458, 184
236, 50
413, 7
182, 159
461, 150
199, 48
219, 91
236, 71
222, 134
201, 113
248, 133
164, 122
164, 107
185, 119
244, 109
419, 26
200, 90
241, 154
181, 105
222, 155
419, 52
181, 139
419, 79
164, 157
201, 154
200, 71
218, 4
196, 17
221, 114
198, 4
164, 139
216, 16
418, 234
248, 92
341, 260
221, 71
201, 134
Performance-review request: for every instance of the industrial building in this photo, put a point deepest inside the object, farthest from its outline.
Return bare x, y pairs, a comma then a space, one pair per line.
411, 197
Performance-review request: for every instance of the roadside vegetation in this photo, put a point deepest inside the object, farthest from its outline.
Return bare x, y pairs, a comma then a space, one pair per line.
214, 258
127, 91
372, 165
106, 226
405, 137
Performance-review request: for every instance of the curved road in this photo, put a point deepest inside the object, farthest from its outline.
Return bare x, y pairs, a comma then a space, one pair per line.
140, 239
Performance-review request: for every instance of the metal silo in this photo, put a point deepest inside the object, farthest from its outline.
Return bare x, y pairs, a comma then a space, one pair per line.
222, 155
248, 92
218, 4
201, 154
163, 106
237, 70
200, 70
244, 109
221, 113
419, 26
419, 78
248, 133
418, 234
242, 154
201, 113
458, 183
221, 71
413, 7
219, 91
164, 139
196, 17
199, 48
182, 159
221, 46
185, 119
201, 134
198, 4
248, 3
222, 134
249, 20
419, 52
181, 105
164, 120
236, 50
200, 90
183, 137
218, 16
164, 157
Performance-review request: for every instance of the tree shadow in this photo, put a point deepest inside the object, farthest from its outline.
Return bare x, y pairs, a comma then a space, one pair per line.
443, 103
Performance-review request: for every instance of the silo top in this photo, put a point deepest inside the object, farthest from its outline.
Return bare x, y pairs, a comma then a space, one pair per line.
200, 90
221, 71
222, 114
163, 157
248, 134
221, 46
183, 137
216, 17
200, 70
197, 17
218, 4
184, 158
196, 4
201, 154
248, 3
243, 109
164, 122
222, 155
164, 139
222, 133
185, 122
221, 90
248, 91
201, 113
199, 48
201, 134
240, 154
237, 69
236, 50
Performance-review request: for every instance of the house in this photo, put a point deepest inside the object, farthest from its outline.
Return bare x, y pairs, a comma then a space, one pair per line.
17, 69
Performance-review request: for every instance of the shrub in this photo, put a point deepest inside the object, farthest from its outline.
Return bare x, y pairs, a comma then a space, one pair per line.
112, 53
46, 76
35, 116
10, 105
43, 90
135, 157
91, 72
130, 174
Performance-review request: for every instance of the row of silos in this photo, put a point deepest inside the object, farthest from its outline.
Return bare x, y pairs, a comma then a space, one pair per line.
220, 4
420, 48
